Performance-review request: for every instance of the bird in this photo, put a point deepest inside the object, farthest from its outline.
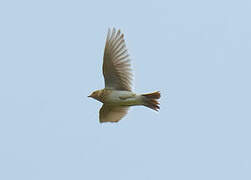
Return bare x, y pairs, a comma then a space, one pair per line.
117, 96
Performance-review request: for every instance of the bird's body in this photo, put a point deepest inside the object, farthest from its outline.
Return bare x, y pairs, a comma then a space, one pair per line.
117, 96
120, 98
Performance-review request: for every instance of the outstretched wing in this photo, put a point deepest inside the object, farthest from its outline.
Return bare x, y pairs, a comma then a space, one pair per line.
116, 62
109, 113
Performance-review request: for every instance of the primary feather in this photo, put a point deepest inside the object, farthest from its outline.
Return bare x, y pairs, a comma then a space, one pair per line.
109, 113
116, 62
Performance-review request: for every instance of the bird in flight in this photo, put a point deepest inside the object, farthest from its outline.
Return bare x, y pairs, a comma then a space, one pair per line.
117, 95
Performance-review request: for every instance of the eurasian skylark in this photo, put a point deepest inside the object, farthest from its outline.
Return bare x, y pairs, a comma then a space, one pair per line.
117, 95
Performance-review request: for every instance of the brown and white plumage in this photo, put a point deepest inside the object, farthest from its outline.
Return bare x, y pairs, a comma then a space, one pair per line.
109, 113
117, 95
116, 62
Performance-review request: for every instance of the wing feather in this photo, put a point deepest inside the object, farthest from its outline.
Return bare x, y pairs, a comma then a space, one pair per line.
109, 113
116, 62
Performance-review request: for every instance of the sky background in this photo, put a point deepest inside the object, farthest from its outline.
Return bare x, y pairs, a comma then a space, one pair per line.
197, 53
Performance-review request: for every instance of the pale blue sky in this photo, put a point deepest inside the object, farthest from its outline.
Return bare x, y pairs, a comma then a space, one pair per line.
197, 53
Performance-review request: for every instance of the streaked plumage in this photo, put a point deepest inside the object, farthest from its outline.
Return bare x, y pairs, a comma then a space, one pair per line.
117, 96
116, 62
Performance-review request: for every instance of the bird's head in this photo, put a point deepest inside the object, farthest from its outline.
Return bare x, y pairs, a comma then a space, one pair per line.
96, 95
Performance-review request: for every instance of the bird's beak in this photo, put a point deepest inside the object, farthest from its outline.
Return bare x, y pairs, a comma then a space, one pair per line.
89, 95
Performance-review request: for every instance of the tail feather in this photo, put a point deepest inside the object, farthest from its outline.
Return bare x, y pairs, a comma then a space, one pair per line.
150, 100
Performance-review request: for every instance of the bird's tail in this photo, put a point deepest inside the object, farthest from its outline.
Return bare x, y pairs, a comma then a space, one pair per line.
150, 100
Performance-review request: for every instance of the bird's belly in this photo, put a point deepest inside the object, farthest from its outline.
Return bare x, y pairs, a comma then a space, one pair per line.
123, 98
